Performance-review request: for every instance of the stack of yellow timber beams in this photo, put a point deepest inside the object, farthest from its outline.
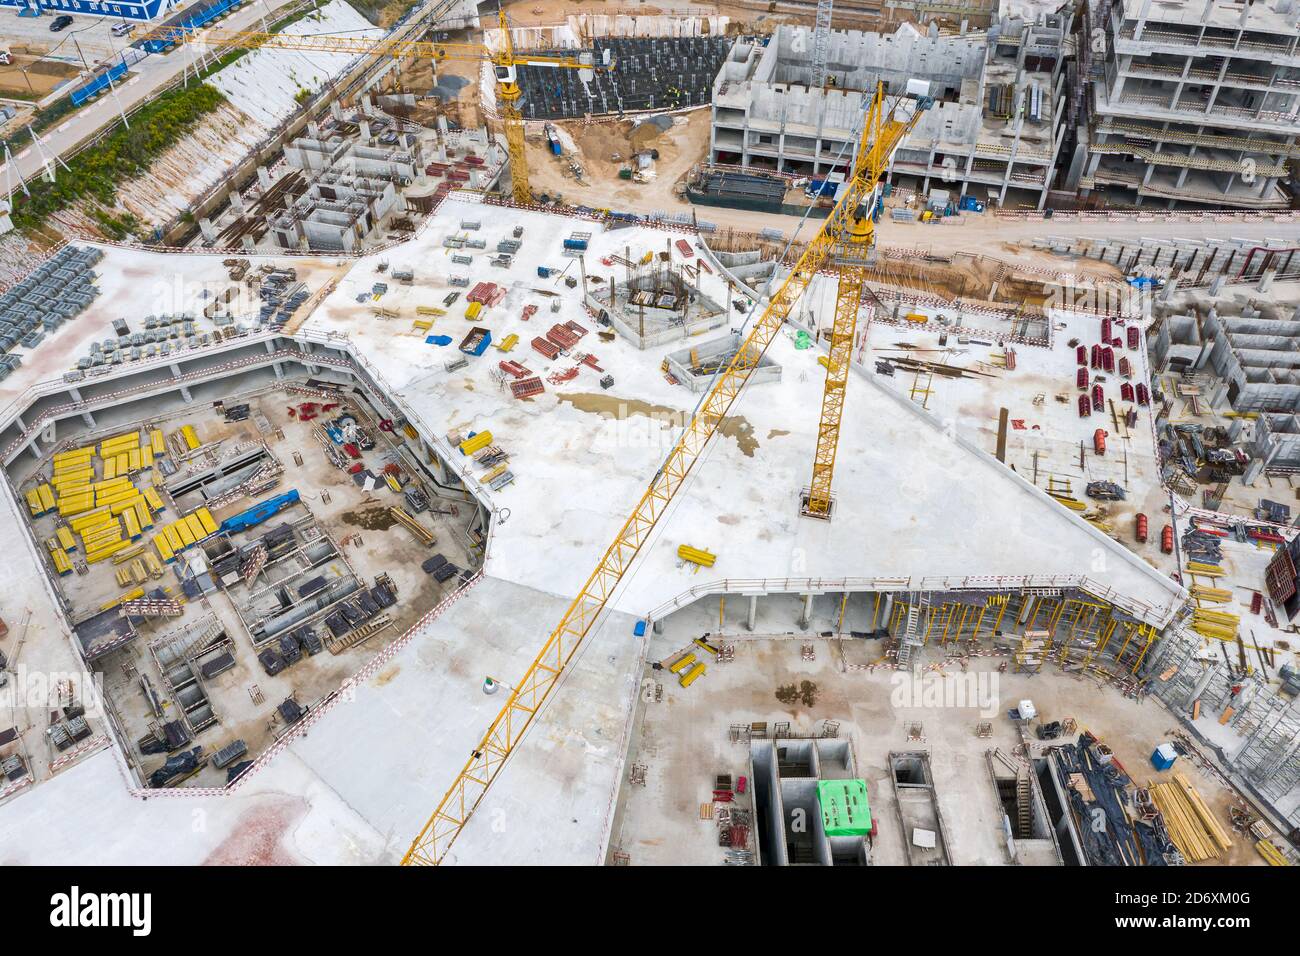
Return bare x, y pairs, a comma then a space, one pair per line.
1190, 823
1271, 854
1211, 595
1221, 625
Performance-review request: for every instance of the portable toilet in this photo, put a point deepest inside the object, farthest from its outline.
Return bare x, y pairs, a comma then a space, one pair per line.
1163, 757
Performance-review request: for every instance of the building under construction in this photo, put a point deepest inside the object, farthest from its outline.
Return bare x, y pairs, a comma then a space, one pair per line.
791, 105
1189, 103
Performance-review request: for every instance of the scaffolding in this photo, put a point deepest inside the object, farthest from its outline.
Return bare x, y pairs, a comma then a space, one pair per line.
1270, 757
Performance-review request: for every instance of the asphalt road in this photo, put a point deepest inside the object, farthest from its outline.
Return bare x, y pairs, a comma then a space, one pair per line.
147, 77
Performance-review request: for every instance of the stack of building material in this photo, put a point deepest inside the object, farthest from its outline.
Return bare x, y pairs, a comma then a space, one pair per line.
1221, 625
180, 534
1190, 823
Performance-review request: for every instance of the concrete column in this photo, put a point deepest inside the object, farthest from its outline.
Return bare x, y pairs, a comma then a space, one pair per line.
1252, 472
279, 369
18, 420
1266, 280
1216, 285
247, 242
237, 203
176, 370
657, 627
263, 177
185, 394
751, 615
365, 129
886, 610
35, 449
88, 419
805, 613
208, 230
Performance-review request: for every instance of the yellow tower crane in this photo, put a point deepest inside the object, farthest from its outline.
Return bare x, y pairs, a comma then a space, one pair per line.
849, 259
842, 243
505, 62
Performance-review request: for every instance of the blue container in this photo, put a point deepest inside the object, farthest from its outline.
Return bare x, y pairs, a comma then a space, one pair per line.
579, 245
639, 630
1163, 757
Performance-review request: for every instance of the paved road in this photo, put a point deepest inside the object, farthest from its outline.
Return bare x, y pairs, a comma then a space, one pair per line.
147, 77
974, 232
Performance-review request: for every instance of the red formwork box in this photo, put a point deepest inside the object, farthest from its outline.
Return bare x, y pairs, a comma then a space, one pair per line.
684, 248
1081, 355
1108, 359
1098, 397
1133, 333
1094, 358
1126, 391
562, 336
1125, 366
1099, 441
1142, 527
1081, 379
1167, 539
1085, 406
1105, 330
545, 348
527, 387
1143, 394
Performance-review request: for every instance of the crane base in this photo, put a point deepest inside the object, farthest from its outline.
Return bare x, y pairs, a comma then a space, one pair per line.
805, 512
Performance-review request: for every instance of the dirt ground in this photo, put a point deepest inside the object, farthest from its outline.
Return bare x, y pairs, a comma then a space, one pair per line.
752, 16
29, 77
596, 146
418, 76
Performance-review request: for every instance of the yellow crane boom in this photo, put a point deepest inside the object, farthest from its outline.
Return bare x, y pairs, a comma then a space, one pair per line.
850, 218
505, 62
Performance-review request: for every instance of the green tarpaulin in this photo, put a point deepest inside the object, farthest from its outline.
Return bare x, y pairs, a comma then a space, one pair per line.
845, 811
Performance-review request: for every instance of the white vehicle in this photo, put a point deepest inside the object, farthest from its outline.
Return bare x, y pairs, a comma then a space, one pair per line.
122, 29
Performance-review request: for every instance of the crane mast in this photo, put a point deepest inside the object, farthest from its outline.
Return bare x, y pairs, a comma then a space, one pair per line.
849, 260
850, 226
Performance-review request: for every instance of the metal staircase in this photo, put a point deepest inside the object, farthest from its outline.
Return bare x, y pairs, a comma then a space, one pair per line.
1024, 801
910, 639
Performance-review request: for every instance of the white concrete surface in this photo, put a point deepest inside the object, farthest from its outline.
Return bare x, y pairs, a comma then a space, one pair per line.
913, 501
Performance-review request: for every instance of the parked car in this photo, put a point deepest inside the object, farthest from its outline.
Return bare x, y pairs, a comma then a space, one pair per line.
60, 23
121, 29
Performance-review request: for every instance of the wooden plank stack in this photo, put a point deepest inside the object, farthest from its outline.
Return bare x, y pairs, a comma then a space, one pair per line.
1191, 824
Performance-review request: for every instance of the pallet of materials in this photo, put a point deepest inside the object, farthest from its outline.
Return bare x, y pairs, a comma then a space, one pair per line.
1189, 820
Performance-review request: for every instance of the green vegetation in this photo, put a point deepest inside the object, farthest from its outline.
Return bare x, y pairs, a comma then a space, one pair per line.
124, 154
94, 173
